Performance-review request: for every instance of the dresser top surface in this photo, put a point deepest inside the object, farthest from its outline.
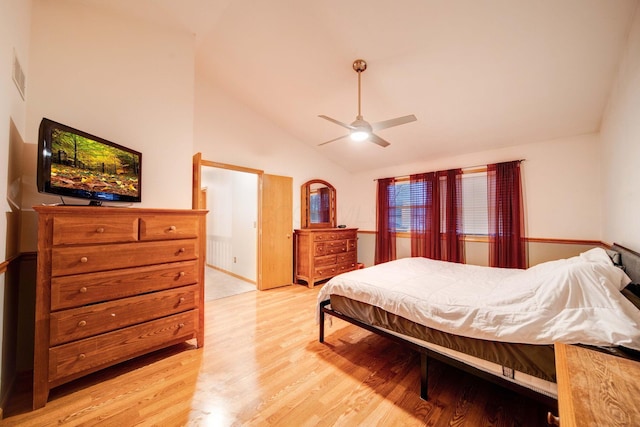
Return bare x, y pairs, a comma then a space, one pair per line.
323, 230
84, 210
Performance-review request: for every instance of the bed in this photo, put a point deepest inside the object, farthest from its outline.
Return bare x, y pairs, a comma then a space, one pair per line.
499, 324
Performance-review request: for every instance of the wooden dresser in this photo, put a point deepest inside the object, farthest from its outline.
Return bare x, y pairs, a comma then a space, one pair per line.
113, 284
596, 389
321, 253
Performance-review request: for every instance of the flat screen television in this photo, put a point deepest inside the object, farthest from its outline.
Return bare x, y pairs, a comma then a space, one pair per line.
77, 164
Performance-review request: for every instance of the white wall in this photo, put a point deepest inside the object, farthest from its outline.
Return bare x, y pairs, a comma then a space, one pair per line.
244, 228
621, 149
123, 79
227, 131
14, 37
561, 182
232, 235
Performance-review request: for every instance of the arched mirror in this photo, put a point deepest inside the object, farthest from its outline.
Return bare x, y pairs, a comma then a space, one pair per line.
318, 204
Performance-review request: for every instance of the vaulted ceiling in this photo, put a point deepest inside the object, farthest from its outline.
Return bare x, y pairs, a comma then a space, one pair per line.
477, 74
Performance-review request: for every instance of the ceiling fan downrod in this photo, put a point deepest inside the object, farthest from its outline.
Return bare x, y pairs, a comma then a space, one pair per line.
359, 65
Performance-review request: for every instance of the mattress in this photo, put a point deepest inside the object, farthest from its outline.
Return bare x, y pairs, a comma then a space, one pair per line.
531, 366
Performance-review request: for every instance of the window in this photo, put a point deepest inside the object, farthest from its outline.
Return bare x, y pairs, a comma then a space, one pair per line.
400, 211
474, 204
475, 211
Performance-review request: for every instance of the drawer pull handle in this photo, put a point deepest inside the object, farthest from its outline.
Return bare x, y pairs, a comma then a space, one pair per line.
83, 290
82, 356
181, 299
181, 250
84, 259
181, 325
172, 228
113, 315
181, 274
82, 323
552, 419
100, 230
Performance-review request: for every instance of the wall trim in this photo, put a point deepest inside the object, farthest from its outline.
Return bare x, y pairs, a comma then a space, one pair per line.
527, 239
237, 276
565, 241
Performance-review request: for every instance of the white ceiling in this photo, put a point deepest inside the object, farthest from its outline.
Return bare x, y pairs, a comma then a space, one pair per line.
478, 74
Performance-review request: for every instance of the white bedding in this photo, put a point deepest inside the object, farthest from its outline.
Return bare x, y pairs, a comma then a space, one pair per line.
575, 300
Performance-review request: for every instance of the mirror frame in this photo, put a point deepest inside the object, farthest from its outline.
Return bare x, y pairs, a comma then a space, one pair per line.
305, 193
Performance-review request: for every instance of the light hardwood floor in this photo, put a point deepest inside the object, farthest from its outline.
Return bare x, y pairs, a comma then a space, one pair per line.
262, 364
218, 284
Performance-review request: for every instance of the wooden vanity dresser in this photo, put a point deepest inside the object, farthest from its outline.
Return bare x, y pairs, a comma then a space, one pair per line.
323, 253
113, 284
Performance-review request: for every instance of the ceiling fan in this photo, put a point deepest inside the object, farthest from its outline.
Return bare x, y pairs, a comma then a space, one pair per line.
360, 129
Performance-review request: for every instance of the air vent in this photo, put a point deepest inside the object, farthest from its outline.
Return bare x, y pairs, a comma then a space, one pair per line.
18, 75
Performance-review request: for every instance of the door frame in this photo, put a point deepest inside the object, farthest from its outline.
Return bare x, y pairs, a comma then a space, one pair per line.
198, 163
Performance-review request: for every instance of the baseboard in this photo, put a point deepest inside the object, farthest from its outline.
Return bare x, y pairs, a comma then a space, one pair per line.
237, 276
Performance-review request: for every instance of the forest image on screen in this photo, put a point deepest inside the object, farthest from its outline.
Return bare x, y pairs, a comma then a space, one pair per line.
84, 164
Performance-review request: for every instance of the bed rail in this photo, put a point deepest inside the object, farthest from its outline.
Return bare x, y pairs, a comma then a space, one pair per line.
426, 353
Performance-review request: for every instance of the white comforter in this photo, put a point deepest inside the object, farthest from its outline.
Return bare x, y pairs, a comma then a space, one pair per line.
575, 300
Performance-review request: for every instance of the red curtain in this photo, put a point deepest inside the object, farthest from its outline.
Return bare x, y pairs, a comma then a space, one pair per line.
385, 219
424, 198
430, 237
506, 215
453, 236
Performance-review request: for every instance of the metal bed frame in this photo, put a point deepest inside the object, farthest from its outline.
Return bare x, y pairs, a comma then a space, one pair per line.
629, 259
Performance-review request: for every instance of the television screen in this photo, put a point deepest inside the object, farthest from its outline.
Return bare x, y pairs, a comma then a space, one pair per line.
77, 164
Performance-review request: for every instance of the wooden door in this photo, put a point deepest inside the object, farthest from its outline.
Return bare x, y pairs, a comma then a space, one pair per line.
276, 242
196, 184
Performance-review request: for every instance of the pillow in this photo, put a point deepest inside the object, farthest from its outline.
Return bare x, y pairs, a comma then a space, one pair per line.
599, 258
596, 255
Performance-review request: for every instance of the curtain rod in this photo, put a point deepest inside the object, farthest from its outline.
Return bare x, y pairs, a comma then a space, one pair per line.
466, 167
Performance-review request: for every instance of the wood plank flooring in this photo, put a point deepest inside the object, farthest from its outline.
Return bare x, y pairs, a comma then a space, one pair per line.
262, 365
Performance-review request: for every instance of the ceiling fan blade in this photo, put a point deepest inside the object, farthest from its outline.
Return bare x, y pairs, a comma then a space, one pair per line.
393, 122
377, 140
339, 123
334, 139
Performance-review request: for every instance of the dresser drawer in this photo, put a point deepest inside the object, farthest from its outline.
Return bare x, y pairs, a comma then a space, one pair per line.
325, 260
81, 289
103, 350
85, 259
76, 229
324, 272
334, 235
321, 237
344, 267
346, 257
328, 248
77, 323
351, 244
164, 227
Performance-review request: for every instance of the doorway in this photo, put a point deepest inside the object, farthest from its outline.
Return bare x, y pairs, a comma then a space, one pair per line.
272, 230
231, 196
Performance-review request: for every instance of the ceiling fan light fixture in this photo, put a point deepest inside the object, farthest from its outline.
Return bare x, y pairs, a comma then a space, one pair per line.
360, 129
359, 135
